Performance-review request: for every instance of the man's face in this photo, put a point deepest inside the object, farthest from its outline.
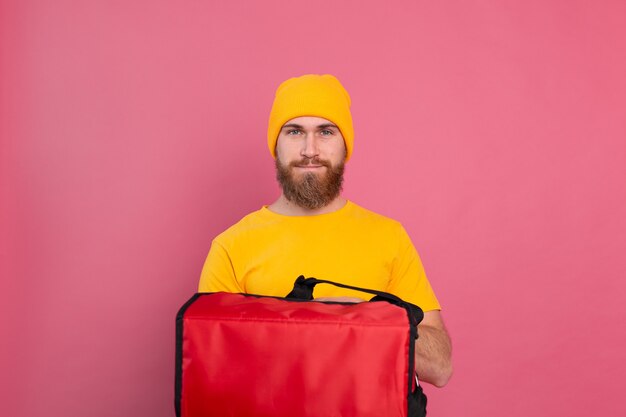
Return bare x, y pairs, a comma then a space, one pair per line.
310, 155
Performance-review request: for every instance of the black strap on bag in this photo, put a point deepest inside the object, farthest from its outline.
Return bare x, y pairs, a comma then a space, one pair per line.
303, 290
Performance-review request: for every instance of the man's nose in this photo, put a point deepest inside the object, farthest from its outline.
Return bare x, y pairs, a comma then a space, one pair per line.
310, 148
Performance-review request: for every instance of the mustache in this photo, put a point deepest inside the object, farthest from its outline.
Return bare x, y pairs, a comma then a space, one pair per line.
310, 161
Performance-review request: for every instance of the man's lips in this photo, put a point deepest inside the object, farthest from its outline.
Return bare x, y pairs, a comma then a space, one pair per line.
310, 164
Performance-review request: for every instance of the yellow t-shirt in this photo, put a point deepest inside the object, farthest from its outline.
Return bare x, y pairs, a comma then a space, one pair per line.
265, 252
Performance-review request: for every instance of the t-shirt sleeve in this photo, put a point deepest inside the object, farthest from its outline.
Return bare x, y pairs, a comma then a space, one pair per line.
408, 279
217, 273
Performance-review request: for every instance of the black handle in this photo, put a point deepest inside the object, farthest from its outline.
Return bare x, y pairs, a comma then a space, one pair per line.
303, 290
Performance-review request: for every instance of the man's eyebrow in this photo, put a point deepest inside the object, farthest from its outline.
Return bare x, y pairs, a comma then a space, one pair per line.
297, 126
293, 125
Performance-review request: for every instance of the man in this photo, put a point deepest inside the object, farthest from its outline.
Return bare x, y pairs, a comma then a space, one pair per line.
312, 230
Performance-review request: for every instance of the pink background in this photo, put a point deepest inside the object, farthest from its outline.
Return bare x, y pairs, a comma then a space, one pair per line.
133, 132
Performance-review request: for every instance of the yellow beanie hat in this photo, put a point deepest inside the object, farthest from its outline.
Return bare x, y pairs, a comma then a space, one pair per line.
311, 95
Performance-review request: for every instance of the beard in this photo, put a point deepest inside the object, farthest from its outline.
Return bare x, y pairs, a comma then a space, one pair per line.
311, 190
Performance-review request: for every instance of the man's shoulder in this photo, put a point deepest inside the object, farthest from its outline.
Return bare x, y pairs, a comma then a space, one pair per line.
249, 222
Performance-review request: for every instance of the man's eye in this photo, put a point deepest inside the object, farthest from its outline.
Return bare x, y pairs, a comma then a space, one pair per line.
327, 132
293, 132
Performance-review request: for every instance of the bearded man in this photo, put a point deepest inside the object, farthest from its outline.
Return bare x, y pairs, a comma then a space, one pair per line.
312, 230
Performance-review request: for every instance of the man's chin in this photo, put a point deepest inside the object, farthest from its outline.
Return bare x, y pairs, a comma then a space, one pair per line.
311, 185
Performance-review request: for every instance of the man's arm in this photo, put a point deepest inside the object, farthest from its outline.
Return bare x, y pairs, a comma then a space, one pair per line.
218, 273
433, 350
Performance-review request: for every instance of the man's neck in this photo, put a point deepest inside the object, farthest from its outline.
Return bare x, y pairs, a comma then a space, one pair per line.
287, 208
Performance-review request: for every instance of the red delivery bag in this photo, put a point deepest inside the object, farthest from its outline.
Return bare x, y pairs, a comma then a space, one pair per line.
242, 355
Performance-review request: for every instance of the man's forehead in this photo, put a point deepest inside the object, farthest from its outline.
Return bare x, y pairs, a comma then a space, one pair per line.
309, 121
